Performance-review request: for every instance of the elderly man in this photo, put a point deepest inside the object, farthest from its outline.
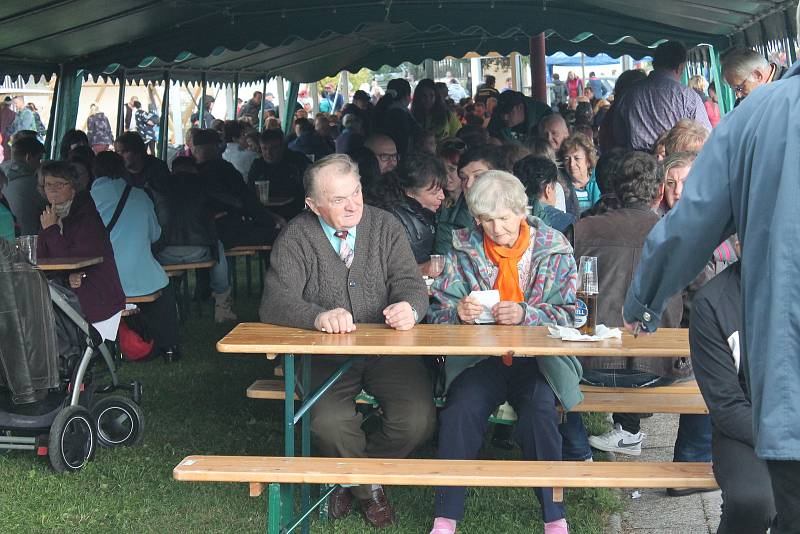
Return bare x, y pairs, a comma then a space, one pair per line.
745, 69
656, 104
341, 264
24, 119
385, 150
745, 185
554, 129
283, 169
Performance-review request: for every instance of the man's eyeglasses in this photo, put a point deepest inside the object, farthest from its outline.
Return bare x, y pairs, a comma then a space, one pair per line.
739, 89
386, 158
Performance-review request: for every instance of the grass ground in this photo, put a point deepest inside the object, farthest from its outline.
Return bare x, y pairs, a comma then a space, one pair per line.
198, 406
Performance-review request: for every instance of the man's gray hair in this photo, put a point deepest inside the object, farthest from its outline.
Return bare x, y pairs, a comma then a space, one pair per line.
741, 62
351, 120
547, 119
494, 191
343, 165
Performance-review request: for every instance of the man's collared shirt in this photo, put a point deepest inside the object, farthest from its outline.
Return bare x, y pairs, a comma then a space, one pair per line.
652, 107
336, 243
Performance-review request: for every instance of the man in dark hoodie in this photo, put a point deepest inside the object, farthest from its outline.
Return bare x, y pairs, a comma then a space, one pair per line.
516, 117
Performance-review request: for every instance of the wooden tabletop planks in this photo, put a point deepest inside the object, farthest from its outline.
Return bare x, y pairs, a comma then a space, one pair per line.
449, 340
67, 264
413, 472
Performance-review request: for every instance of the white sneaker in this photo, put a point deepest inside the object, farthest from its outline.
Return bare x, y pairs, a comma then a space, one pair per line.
618, 441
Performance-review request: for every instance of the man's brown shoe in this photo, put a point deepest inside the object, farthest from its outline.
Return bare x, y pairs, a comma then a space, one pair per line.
377, 510
340, 503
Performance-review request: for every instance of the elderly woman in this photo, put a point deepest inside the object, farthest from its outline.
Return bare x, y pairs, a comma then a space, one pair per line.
579, 157
72, 228
532, 267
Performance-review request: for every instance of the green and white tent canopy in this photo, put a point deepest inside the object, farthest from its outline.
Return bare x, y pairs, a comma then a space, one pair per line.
304, 40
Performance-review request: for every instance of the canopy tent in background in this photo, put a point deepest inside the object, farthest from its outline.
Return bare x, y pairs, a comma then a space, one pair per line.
563, 60
305, 40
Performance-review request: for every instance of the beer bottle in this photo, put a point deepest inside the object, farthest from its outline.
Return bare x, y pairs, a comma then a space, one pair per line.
586, 305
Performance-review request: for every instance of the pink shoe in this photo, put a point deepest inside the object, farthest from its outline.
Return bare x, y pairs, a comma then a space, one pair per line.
556, 527
443, 525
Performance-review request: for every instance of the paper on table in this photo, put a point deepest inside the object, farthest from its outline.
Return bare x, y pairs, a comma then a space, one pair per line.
487, 299
565, 333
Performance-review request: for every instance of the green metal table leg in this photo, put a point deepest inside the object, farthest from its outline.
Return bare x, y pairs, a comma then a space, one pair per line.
305, 440
274, 509
247, 272
287, 491
233, 279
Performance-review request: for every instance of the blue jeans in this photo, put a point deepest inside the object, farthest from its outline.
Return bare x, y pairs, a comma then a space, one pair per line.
191, 254
474, 394
693, 443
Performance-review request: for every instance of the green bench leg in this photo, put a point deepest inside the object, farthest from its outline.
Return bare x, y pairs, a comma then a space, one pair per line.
274, 509
247, 274
233, 278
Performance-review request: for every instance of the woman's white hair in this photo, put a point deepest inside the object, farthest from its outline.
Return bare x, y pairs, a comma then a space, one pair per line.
495, 191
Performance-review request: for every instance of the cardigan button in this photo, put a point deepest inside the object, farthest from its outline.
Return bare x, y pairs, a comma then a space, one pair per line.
352, 283
646, 316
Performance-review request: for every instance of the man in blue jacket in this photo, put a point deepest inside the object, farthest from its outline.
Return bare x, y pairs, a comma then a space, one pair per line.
747, 181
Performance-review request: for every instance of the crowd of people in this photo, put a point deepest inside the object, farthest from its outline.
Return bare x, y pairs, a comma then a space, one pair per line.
511, 191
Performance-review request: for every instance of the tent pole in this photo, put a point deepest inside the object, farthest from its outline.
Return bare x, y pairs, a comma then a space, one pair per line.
344, 78
288, 109
281, 94
261, 117
725, 96
314, 97
51, 124
202, 105
163, 126
791, 52
69, 93
236, 96
538, 68
121, 104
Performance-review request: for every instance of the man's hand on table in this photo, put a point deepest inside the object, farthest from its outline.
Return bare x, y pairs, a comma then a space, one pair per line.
468, 309
400, 316
336, 321
508, 313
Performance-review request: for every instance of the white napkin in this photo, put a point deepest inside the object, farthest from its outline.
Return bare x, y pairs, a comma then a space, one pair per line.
487, 299
565, 333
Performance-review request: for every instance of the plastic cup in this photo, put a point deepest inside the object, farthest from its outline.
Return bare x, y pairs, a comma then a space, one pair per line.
27, 247
436, 266
262, 188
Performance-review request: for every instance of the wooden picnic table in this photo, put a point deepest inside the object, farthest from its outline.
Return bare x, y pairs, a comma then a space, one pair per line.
67, 264
447, 340
422, 340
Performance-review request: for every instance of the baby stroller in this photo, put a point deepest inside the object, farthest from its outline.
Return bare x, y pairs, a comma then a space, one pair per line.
57, 376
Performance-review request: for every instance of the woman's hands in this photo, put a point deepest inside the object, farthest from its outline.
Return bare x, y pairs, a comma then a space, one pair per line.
504, 313
508, 313
468, 309
48, 218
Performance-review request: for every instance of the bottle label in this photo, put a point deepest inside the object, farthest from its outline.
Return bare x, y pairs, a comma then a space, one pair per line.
581, 313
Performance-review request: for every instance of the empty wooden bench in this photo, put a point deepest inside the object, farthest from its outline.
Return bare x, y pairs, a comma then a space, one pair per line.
178, 275
682, 398
257, 471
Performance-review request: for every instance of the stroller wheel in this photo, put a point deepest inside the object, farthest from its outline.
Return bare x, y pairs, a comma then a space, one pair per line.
72, 439
120, 421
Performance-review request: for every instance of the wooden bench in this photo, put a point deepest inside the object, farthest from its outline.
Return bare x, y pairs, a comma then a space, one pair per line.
152, 297
246, 251
681, 398
178, 275
257, 471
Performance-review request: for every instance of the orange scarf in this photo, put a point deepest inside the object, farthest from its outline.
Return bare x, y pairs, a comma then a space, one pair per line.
506, 259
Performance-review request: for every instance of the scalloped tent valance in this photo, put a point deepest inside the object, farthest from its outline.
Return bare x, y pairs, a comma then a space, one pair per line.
305, 40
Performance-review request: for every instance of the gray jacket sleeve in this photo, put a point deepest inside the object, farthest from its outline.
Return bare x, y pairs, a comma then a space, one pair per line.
282, 302
716, 375
680, 244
